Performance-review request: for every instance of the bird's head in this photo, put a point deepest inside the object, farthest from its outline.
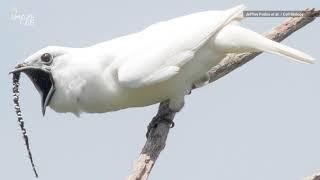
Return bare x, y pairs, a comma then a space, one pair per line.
38, 68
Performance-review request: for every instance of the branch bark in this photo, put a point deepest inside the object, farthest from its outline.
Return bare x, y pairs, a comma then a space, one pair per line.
316, 176
157, 138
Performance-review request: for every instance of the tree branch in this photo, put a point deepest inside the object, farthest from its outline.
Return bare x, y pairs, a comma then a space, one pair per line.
157, 138
316, 176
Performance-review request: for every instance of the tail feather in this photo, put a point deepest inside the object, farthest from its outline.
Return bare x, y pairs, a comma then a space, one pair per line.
233, 38
283, 50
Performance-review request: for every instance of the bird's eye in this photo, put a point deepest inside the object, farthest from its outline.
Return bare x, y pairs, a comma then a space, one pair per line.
46, 57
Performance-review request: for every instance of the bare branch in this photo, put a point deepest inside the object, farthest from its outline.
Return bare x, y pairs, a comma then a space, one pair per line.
313, 177
157, 139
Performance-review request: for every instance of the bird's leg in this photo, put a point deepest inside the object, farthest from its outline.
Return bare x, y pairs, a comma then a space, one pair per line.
169, 109
157, 120
166, 116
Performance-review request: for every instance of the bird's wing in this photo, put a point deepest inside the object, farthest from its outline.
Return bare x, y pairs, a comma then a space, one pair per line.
163, 48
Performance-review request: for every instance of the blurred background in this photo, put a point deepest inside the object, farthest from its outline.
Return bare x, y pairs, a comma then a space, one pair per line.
259, 122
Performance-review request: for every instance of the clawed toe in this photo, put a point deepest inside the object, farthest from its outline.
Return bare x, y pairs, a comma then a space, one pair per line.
157, 120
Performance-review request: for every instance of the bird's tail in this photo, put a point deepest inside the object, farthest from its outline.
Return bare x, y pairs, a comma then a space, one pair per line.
233, 38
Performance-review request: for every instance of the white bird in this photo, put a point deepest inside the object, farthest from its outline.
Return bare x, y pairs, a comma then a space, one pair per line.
159, 63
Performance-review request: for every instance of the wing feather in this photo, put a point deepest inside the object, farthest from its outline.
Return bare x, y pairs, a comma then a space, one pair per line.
166, 46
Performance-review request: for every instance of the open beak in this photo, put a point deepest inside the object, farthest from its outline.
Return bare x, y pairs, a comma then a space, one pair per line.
42, 79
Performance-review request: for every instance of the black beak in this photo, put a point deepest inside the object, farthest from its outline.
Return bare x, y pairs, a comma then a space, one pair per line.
42, 79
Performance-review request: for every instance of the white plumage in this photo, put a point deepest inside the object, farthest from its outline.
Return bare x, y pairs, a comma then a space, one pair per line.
161, 62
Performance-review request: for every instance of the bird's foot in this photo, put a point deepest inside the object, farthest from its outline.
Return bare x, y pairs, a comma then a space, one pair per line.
157, 120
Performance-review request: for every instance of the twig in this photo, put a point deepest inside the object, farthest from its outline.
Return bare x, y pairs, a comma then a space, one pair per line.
316, 176
157, 138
